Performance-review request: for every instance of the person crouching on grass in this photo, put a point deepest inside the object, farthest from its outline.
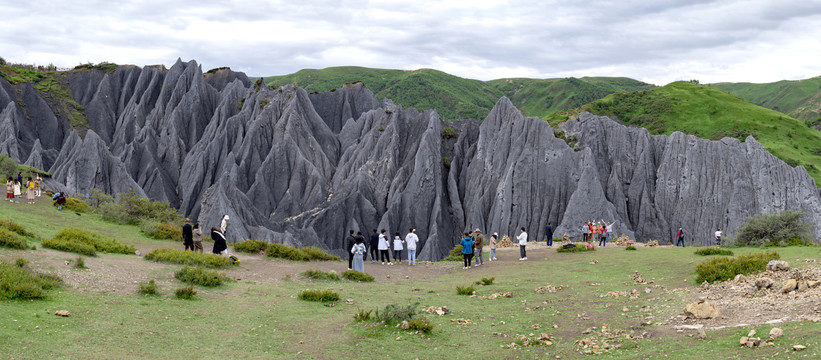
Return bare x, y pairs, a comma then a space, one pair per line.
467, 250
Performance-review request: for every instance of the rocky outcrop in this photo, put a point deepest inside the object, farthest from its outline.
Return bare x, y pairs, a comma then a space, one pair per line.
302, 169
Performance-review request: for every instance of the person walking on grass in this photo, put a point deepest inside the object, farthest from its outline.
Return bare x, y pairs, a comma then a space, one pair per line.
38, 185
384, 247
358, 250
411, 240
197, 234
30, 191
585, 231
522, 244
188, 235
548, 233
10, 190
680, 237
374, 245
493, 239
397, 248
478, 243
718, 237
467, 250
220, 246
20, 177
607, 230
17, 192
350, 241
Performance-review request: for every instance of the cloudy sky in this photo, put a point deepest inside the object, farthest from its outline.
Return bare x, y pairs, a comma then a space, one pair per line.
657, 41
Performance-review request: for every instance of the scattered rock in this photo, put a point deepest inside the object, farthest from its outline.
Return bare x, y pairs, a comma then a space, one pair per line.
701, 333
763, 283
751, 333
739, 278
63, 313
781, 265
776, 333
813, 284
441, 310
701, 310
798, 347
388, 276
594, 262
349, 301
404, 325
790, 285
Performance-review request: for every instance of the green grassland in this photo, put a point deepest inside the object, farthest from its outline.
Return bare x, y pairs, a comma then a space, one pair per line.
711, 113
454, 97
263, 318
800, 99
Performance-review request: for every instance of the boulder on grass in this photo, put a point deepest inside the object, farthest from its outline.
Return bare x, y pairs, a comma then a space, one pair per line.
701, 310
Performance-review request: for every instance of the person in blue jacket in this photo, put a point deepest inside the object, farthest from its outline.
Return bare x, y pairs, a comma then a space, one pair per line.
548, 232
467, 250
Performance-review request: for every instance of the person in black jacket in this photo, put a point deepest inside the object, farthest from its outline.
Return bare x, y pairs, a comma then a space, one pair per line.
374, 245
548, 231
350, 240
188, 235
219, 241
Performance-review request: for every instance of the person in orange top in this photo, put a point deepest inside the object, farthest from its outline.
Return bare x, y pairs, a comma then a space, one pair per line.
30, 191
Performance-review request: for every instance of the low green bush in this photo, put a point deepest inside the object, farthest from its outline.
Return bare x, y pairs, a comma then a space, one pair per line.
362, 315
421, 325
631, 248
394, 314
175, 256
465, 290
149, 288
130, 208
12, 240
725, 268
319, 295
250, 246
17, 282
286, 252
16, 228
67, 246
77, 205
20, 262
321, 275
486, 281
185, 293
713, 251
354, 275
85, 242
455, 254
788, 227
312, 253
199, 276
80, 263
161, 230
575, 249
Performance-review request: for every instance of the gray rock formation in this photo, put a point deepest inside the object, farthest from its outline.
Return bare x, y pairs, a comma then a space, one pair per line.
302, 169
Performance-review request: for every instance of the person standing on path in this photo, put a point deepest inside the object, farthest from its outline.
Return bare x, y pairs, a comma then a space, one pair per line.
718, 237
17, 193
374, 245
680, 236
30, 191
397, 248
411, 240
188, 235
478, 244
38, 185
384, 247
351, 241
197, 238
358, 250
467, 250
492, 255
548, 232
10, 190
20, 177
522, 244
224, 224
607, 229
220, 246
585, 230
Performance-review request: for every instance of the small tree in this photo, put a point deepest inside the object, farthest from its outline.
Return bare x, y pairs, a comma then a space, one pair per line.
8, 167
786, 228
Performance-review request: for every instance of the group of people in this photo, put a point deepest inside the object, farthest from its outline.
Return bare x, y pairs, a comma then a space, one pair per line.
192, 237
15, 187
592, 230
474, 242
379, 243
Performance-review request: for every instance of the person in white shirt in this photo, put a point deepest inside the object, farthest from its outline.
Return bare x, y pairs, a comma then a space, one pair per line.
410, 240
718, 237
384, 247
397, 248
522, 243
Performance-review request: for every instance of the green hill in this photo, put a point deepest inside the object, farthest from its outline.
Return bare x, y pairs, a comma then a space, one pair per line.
800, 99
454, 97
712, 113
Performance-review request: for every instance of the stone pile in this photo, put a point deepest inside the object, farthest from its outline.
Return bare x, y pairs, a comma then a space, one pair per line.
505, 242
624, 240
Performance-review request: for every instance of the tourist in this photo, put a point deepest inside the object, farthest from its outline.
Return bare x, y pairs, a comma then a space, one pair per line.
467, 250
351, 241
20, 177
522, 243
17, 192
585, 231
30, 191
197, 235
411, 240
493, 239
188, 235
601, 232
591, 226
718, 237
548, 233
358, 250
680, 236
608, 228
224, 224
384, 247
38, 185
397, 248
220, 246
59, 200
10, 190
374, 245
478, 243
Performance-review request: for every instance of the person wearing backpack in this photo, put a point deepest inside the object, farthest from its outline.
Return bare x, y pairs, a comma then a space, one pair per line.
467, 250
374, 246
680, 236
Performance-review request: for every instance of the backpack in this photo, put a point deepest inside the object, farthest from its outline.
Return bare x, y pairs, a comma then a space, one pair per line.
234, 259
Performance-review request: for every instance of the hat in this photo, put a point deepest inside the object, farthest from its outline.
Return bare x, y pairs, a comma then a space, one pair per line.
477, 230
496, 234
226, 217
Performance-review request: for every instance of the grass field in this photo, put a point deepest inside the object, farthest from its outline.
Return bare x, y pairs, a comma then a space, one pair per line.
800, 99
259, 315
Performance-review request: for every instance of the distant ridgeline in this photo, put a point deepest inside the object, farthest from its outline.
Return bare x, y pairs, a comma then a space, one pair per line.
301, 169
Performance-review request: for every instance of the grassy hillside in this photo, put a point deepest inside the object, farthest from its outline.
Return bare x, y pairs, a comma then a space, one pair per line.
800, 99
454, 97
712, 113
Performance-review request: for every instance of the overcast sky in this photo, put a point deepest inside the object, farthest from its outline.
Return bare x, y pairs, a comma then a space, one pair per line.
657, 41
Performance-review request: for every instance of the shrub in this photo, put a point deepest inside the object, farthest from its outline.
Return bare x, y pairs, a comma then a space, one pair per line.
86, 242
630, 247
80, 263
321, 275
15, 227
77, 205
176, 256
149, 288
448, 132
713, 251
20, 262
161, 230
465, 290
68, 246
284, 252
354, 275
251, 246
8, 166
199, 276
130, 208
19, 283
312, 253
421, 325
455, 254
318, 295
575, 249
486, 281
725, 268
98, 197
185, 293
774, 229
394, 314
12, 240
362, 315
